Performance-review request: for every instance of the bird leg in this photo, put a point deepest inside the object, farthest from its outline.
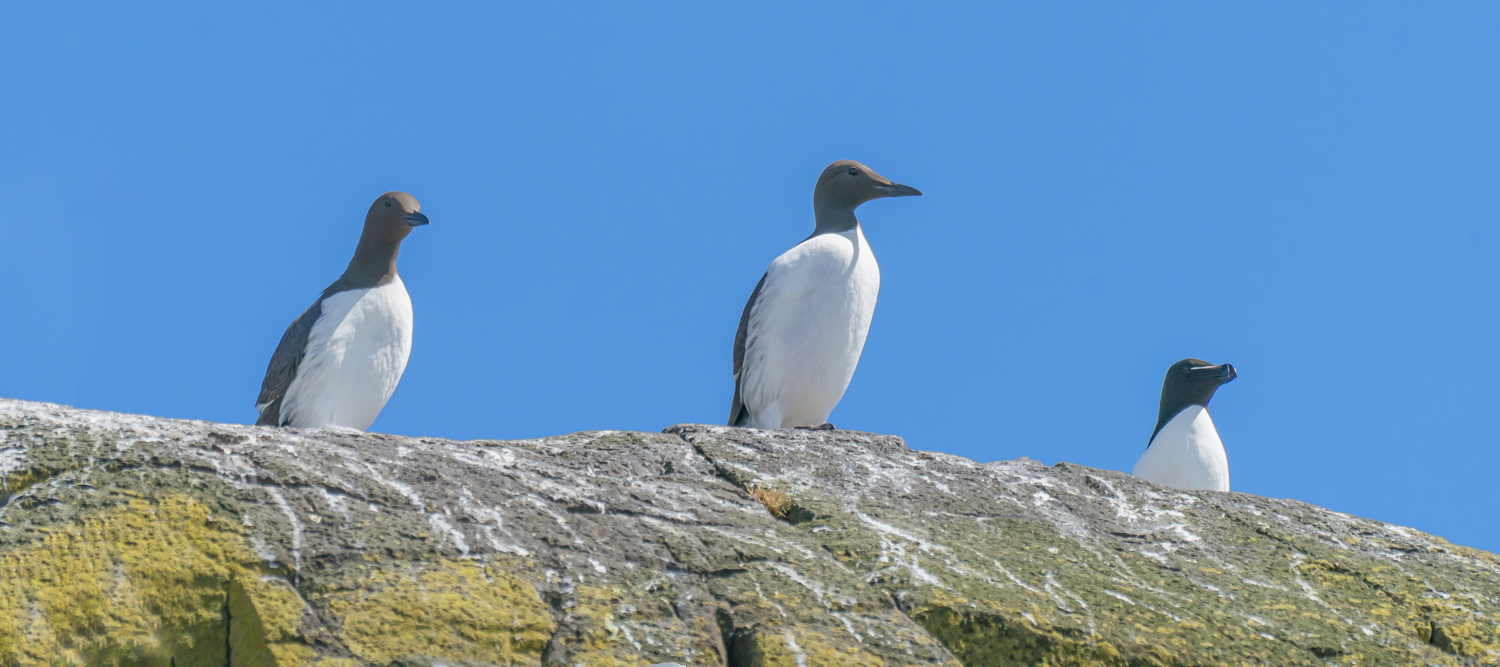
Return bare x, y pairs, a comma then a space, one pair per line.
825, 426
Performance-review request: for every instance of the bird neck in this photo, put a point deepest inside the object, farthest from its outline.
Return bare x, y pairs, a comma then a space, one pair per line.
833, 218
1169, 411
374, 262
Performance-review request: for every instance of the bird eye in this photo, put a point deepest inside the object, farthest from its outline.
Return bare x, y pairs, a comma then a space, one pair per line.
387, 204
853, 171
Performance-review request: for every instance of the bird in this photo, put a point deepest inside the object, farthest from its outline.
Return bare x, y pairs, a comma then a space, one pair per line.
802, 331
340, 360
1185, 451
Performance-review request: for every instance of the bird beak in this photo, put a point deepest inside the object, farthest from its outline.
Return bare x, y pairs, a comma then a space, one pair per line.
898, 190
417, 220
1224, 372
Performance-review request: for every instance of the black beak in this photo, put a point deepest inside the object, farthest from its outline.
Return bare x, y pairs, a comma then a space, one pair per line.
417, 220
1228, 373
898, 190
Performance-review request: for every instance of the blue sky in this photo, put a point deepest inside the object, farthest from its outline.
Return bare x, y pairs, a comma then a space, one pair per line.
1307, 191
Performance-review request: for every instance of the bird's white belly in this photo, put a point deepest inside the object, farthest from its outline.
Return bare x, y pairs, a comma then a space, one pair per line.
1186, 454
356, 353
808, 330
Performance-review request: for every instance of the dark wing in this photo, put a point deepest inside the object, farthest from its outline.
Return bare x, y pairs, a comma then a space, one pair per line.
738, 415
284, 363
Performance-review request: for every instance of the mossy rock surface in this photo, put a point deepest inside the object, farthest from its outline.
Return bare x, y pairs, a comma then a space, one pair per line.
137, 541
1016, 563
145, 542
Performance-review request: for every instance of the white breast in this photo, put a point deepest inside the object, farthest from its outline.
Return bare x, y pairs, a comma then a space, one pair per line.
356, 353
807, 330
1186, 454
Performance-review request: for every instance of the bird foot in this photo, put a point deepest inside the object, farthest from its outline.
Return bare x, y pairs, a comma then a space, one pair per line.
825, 426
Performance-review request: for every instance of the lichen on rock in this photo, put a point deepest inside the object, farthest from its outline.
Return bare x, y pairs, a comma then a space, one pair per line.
128, 540
1013, 562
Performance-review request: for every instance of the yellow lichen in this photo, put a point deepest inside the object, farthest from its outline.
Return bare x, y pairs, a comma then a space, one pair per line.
266, 613
602, 635
147, 585
793, 647
451, 609
601, 642
18, 481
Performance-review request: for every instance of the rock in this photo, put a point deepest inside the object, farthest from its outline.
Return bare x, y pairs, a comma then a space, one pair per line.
128, 540
1013, 562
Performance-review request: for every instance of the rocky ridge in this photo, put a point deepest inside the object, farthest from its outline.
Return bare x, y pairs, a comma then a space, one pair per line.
129, 540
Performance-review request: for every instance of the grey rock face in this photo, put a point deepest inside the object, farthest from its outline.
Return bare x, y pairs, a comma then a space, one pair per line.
297, 546
1014, 562
144, 541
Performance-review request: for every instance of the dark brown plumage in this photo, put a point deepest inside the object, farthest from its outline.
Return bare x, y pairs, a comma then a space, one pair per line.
387, 223
841, 188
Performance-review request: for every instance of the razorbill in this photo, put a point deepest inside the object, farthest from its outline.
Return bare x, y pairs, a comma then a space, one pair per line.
1185, 451
340, 360
804, 326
